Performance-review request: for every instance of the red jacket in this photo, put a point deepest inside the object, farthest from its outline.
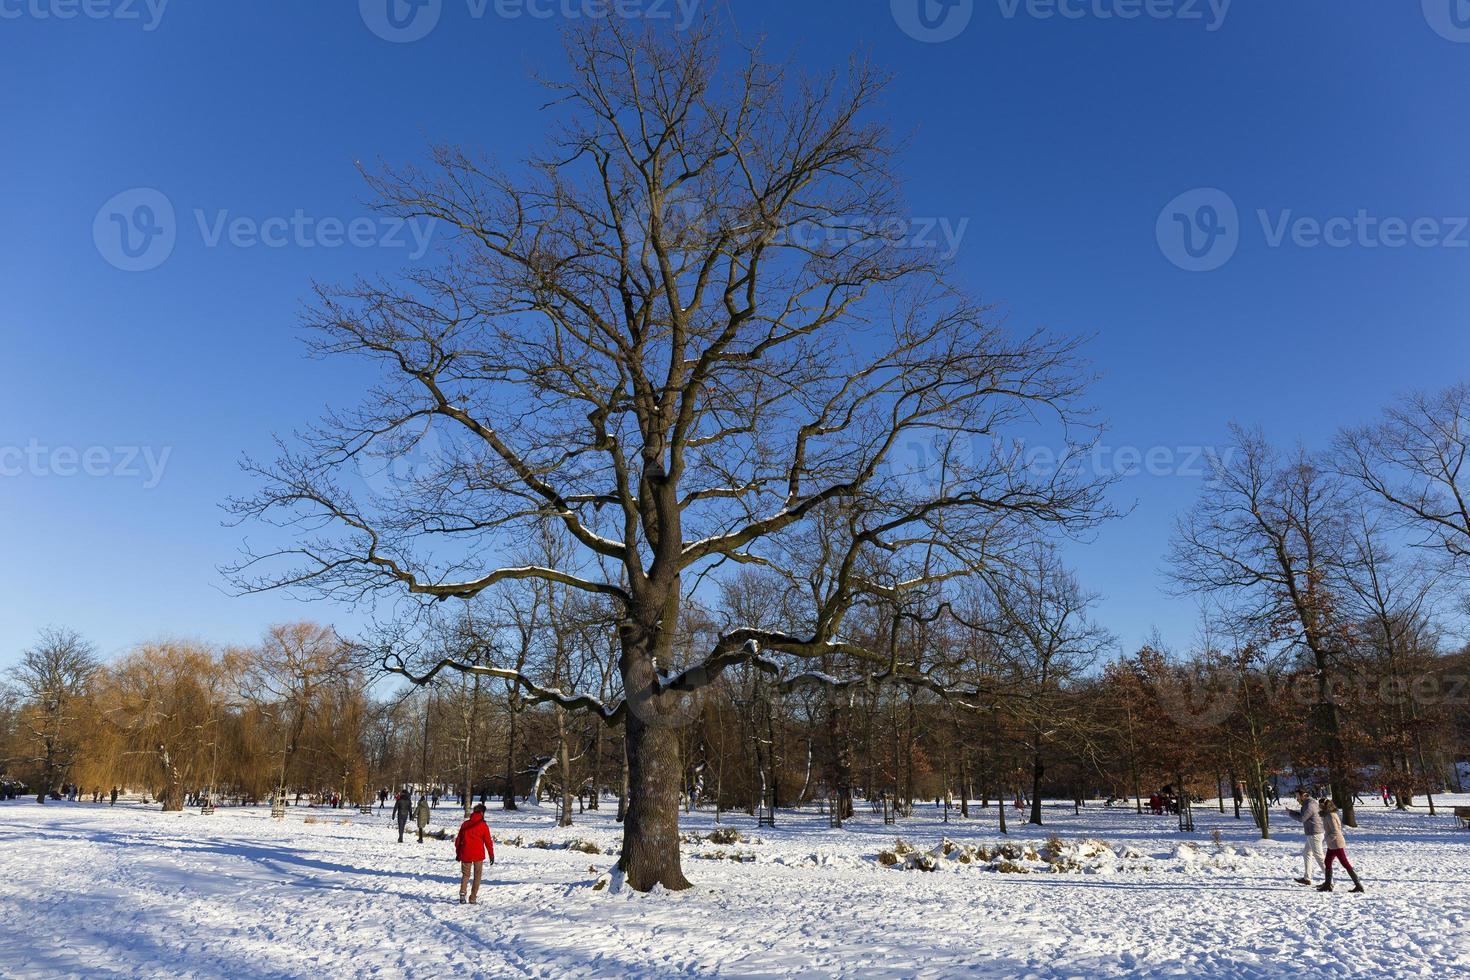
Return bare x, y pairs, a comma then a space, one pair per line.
473, 842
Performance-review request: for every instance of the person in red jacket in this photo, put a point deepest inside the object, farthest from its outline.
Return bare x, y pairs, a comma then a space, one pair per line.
473, 846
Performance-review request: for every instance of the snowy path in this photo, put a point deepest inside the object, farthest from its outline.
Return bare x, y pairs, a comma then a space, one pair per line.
128, 891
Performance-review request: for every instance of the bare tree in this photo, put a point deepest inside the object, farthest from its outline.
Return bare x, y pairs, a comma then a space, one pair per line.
1269, 535
1392, 602
1416, 462
52, 679
684, 333
1039, 619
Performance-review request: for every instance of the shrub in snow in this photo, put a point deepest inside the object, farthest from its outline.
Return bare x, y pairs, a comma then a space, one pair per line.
725, 835
919, 861
579, 844
1055, 856
740, 857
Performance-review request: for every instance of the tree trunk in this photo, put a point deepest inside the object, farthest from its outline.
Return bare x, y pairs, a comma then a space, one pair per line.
171, 798
651, 828
566, 769
1038, 769
1337, 770
596, 794
508, 799
771, 756
623, 793
964, 784
467, 797
841, 760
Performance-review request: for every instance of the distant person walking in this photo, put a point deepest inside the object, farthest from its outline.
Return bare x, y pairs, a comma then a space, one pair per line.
473, 846
402, 810
1310, 817
421, 818
1336, 846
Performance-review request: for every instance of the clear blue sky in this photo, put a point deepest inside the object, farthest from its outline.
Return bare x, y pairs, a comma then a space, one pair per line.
1059, 139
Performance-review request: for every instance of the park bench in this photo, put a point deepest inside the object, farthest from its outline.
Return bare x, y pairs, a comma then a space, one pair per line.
1463, 812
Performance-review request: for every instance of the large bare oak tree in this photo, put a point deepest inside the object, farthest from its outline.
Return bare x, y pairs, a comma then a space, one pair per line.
681, 336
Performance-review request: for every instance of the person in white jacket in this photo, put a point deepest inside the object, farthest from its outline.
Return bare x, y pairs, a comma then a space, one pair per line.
1336, 847
1311, 820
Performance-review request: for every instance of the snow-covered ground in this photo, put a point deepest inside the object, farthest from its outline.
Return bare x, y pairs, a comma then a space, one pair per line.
98, 891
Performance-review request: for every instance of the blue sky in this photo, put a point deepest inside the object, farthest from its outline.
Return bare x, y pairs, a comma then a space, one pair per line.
1056, 135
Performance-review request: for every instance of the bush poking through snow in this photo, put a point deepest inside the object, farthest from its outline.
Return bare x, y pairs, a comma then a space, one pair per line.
726, 835
739, 857
722, 836
580, 844
1055, 856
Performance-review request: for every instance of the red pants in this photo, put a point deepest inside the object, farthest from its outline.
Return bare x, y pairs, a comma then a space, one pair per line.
1338, 854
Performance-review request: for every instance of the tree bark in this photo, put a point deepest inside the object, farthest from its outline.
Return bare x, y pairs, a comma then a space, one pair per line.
1338, 775
623, 794
651, 828
565, 819
171, 798
508, 799
1038, 769
596, 794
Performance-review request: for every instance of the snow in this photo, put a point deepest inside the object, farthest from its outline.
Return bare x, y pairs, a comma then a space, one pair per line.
129, 891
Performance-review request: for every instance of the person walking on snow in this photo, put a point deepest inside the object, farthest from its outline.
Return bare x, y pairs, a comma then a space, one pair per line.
421, 817
472, 847
402, 809
1336, 846
1310, 817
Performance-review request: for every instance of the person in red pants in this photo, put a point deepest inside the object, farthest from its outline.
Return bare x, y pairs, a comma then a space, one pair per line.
473, 846
1336, 846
